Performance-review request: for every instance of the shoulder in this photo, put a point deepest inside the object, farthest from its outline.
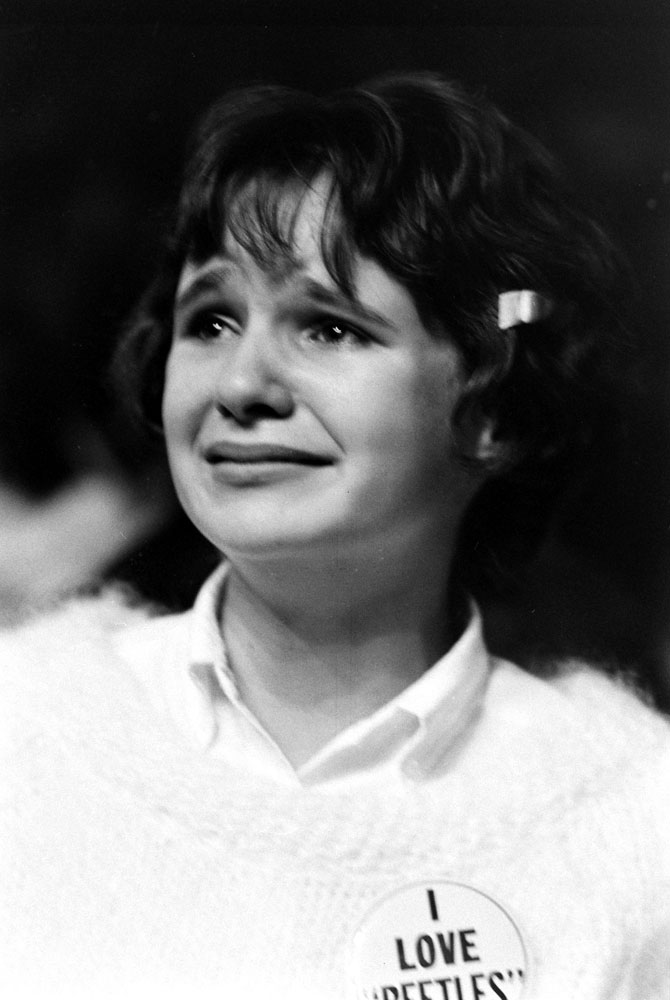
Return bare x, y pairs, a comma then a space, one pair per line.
88, 656
577, 727
575, 698
610, 701
618, 726
63, 634
628, 739
585, 736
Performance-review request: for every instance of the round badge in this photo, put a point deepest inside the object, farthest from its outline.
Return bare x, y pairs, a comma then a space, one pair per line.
438, 941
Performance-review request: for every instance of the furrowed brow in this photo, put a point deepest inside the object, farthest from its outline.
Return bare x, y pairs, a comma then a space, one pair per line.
337, 300
203, 284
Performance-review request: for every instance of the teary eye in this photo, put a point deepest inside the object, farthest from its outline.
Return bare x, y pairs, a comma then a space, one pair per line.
209, 326
337, 333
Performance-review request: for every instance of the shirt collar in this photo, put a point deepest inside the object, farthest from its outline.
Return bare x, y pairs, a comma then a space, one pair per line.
416, 728
206, 648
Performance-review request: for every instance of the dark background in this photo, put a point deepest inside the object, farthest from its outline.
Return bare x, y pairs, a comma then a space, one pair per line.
94, 117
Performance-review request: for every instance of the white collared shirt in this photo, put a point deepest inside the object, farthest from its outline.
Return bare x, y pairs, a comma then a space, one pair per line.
405, 735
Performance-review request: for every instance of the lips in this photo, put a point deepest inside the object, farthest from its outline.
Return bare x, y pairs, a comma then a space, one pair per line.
256, 454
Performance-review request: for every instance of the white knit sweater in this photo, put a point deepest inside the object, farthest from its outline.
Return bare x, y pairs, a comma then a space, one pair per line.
136, 864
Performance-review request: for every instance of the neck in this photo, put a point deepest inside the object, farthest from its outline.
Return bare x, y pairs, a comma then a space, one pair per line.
318, 646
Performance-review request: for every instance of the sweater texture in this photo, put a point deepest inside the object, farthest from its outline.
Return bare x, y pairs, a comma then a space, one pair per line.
136, 863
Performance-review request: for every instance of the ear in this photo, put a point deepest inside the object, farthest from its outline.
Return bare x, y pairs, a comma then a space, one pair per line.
488, 449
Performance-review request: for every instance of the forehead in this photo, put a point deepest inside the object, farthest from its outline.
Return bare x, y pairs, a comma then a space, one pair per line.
293, 258
245, 247
376, 296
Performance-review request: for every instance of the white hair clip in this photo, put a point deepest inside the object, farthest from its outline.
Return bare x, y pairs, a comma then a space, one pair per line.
522, 307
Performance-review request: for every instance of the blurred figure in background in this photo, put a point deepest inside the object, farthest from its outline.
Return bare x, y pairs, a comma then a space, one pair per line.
70, 507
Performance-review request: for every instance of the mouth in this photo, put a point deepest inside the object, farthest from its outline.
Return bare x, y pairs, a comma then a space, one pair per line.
262, 454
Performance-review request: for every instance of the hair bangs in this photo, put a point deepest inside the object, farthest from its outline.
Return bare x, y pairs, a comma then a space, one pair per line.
260, 212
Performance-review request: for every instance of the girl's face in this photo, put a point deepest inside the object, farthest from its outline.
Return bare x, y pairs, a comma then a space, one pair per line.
298, 418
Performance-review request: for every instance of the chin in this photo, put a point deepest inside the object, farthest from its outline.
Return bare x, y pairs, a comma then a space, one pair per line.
259, 541
298, 539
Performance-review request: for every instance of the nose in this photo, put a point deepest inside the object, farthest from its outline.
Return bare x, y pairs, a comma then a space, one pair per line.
251, 380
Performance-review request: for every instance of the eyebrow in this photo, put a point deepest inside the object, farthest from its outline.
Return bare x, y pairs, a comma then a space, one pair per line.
332, 298
202, 284
336, 299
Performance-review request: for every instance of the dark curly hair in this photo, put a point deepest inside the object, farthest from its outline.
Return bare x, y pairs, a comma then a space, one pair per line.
458, 205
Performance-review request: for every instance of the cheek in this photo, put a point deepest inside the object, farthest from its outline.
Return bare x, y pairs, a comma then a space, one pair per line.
439, 402
420, 410
180, 402
424, 438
